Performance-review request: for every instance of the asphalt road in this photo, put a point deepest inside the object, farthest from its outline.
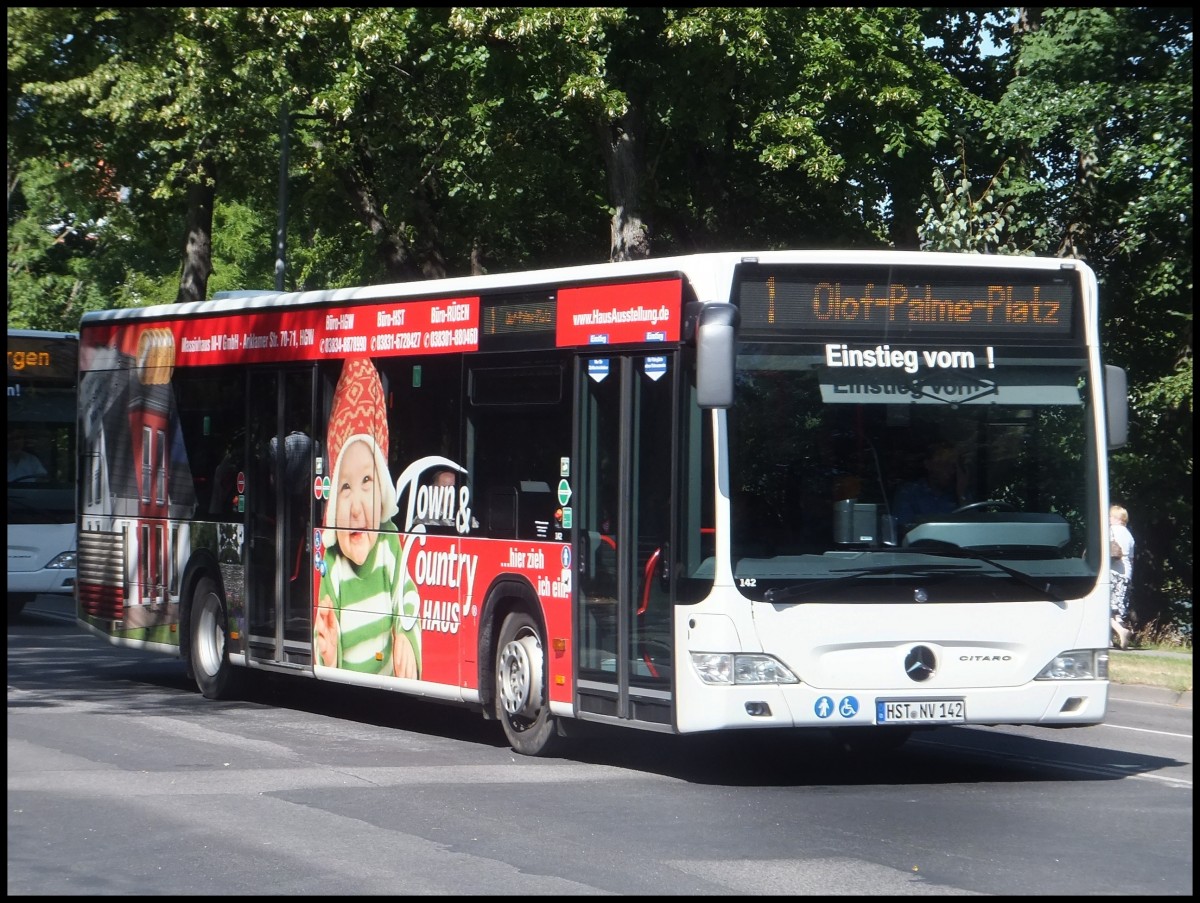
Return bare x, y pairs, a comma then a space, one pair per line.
123, 780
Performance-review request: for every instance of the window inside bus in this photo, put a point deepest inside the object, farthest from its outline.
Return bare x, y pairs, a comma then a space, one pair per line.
41, 456
424, 405
212, 420
694, 564
970, 484
518, 435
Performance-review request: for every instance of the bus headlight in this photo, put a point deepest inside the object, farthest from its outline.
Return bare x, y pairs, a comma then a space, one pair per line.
741, 668
1078, 664
65, 560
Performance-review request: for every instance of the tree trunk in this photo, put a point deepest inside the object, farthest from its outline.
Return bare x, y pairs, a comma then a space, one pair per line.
622, 142
906, 202
429, 250
197, 252
392, 250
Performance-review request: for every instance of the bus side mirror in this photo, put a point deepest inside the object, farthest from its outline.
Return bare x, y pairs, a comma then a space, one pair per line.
1116, 403
716, 355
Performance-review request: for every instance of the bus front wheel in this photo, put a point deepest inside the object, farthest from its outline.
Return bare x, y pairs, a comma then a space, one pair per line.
522, 703
208, 660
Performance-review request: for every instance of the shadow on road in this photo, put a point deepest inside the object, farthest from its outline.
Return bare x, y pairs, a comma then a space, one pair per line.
52, 663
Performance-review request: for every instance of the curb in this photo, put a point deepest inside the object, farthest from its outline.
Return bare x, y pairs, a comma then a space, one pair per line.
1157, 695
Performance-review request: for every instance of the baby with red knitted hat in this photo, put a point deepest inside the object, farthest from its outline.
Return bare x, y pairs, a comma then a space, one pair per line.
368, 611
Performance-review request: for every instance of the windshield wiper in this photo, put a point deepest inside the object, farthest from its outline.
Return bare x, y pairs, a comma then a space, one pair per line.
928, 546
787, 593
951, 550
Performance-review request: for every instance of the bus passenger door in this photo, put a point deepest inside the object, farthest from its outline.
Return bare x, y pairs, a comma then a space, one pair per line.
279, 516
625, 480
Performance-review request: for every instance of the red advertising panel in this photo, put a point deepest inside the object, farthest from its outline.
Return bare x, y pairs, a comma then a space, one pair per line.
268, 335
616, 314
451, 576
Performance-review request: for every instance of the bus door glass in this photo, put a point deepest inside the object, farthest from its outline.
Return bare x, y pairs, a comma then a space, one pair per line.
626, 478
279, 515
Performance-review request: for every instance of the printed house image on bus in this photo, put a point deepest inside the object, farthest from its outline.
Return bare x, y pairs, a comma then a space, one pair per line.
135, 477
858, 491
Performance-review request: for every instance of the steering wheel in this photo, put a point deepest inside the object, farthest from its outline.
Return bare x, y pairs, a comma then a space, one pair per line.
986, 503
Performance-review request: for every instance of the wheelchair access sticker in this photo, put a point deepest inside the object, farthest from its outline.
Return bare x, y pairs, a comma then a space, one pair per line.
847, 708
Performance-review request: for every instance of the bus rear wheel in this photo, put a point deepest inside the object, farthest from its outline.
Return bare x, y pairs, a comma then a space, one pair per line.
522, 701
208, 658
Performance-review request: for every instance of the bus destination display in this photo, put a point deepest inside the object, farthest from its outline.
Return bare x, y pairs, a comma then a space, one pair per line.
42, 358
989, 305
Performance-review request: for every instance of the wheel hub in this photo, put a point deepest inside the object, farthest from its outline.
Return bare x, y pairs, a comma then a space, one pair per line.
519, 677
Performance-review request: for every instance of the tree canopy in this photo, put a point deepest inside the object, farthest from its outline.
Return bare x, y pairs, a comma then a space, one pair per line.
144, 149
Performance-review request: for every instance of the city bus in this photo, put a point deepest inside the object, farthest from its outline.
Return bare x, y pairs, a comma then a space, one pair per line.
665, 494
42, 368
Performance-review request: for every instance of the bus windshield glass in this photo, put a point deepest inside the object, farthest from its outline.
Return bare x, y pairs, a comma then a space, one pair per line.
41, 429
906, 481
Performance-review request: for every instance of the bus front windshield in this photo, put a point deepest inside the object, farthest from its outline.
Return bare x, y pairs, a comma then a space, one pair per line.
41, 456
952, 484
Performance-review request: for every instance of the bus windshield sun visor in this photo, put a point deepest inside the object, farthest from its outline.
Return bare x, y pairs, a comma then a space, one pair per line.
1022, 388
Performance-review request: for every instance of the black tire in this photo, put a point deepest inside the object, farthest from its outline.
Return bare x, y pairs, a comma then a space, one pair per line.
522, 702
208, 655
17, 603
871, 741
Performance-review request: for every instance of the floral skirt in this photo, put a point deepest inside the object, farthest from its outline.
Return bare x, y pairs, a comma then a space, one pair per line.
1118, 600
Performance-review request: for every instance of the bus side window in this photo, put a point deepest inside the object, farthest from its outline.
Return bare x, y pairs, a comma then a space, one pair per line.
423, 404
223, 498
501, 513
519, 432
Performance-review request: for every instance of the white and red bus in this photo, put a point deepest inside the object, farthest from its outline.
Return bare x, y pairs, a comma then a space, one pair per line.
674, 494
